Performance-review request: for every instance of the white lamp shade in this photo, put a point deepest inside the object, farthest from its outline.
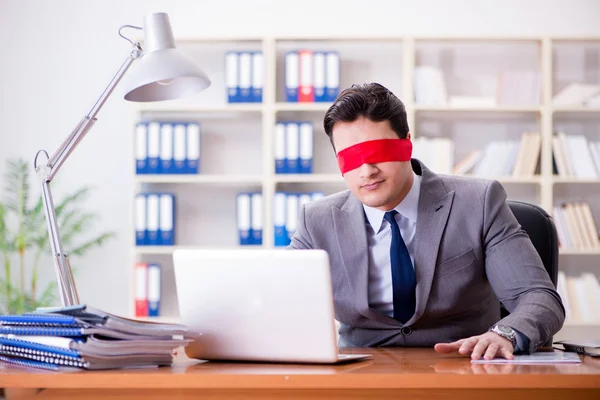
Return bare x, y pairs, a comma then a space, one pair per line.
164, 75
163, 72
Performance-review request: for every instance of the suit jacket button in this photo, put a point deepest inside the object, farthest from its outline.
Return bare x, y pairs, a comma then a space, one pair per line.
406, 330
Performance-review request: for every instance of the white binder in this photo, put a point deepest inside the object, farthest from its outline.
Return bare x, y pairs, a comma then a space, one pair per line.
141, 148
232, 75
166, 148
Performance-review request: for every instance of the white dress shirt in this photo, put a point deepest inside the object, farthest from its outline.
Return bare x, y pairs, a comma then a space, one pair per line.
379, 238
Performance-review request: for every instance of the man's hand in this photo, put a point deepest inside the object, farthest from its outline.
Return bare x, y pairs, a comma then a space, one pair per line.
488, 346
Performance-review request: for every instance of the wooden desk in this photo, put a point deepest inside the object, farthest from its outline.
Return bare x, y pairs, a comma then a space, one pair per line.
391, 373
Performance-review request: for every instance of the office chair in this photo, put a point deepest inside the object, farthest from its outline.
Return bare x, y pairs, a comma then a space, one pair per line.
538, 224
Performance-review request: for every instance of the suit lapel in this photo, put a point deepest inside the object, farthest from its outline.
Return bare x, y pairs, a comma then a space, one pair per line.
434, 207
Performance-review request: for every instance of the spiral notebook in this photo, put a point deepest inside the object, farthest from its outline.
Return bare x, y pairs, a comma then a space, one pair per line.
84, 337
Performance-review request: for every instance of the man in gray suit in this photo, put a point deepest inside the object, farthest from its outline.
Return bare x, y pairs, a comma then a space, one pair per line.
420, 259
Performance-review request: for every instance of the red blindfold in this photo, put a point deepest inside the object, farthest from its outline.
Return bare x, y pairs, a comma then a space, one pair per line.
373, 152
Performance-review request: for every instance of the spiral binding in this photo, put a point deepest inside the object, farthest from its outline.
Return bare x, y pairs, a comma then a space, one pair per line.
48, 359
43, 331
28, 363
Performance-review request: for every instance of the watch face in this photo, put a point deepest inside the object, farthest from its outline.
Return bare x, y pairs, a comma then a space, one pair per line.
505, 329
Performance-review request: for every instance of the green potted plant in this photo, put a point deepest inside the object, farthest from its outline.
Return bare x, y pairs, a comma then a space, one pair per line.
24, 239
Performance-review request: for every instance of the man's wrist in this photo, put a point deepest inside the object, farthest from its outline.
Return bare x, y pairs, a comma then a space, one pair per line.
506, 332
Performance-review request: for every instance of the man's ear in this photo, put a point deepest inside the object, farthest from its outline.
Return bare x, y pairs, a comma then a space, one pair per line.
408, 135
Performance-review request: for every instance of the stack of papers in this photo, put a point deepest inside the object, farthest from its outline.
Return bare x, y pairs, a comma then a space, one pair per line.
84, 337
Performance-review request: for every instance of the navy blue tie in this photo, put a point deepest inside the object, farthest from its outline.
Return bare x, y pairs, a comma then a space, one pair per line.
404, 281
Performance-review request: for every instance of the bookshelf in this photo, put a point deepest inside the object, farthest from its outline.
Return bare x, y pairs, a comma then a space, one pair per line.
237, 142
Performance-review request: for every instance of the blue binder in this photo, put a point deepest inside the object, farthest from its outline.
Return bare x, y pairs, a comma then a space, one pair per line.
141, 238
166, 219
153, 147
152, 218
256, 220
258, 74
243, 218
280, 150
232, 76
245, 82
154, 289
281, 237
292, 76
319, 74
306, 148
180, 148
166, 148
332, 77
292, 144
193, 148
141, 148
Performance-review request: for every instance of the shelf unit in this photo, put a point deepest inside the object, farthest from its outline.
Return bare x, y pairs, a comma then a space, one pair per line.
388, 60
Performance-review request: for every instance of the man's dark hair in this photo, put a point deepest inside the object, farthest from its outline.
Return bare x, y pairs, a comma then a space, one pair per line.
370, 100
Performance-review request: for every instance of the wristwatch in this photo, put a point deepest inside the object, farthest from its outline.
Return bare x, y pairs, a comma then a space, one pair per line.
506, 332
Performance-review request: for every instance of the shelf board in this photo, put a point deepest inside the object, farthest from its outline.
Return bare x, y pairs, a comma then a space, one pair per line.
583, 252
200, 179
222, 108
321, 107
574, 180
576, 109
309, 178
498, 109
140, 250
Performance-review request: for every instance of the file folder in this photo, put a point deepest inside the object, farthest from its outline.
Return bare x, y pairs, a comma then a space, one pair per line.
258, 77
141, 289
306, 148
243, 218
332, 77
232, 75
306, 92
319, 76
152, 218
291, 218
280, 148
153, 291
292, 144
256, 220
141, 148
179, 148
140, 220
153, 147
167, 219
279, 214
245, 77
292, 76
193, 148
166, 148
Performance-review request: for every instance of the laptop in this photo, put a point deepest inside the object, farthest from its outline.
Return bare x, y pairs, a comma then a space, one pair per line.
267, 305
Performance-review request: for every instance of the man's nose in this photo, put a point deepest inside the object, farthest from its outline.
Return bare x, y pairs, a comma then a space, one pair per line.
367, 170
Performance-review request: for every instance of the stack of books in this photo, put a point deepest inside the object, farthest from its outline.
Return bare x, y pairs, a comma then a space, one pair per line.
86, 338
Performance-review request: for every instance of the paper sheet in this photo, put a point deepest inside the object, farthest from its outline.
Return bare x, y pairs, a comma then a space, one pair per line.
541, 357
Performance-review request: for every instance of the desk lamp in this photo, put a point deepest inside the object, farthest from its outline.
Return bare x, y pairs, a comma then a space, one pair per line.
161, 73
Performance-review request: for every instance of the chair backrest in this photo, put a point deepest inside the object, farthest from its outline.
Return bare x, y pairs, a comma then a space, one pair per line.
536, 222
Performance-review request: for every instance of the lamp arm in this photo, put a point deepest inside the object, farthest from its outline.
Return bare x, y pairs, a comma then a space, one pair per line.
46, 172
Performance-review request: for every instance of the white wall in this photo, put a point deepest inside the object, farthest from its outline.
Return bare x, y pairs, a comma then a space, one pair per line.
57, 56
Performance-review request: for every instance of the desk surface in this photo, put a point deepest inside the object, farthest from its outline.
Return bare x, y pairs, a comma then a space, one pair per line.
396, 368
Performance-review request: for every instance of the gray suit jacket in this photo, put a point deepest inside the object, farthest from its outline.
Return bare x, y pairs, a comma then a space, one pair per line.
470, 253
